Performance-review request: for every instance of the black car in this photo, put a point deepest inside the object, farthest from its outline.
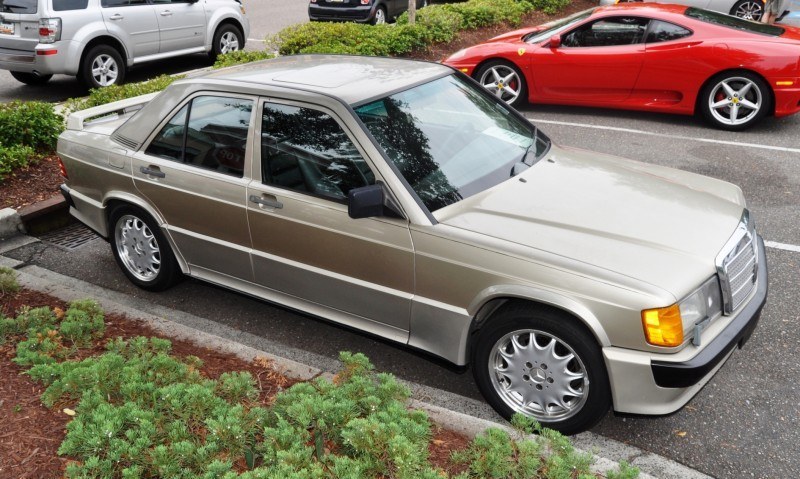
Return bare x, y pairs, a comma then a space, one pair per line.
362, 11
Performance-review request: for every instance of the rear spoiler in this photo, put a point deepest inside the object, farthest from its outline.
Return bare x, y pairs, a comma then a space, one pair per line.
76, 120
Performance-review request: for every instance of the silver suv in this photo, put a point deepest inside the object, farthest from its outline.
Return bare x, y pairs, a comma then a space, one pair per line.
98, 40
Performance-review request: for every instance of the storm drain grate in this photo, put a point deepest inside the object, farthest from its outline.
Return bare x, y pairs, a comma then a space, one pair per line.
70, 237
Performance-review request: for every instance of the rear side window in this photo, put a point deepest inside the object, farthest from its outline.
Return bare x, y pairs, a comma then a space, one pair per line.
19, 6
122, 3
64, 5
210, 133
664, 32
733, 22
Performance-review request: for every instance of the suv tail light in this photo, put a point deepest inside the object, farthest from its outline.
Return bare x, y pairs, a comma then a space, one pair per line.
49, 30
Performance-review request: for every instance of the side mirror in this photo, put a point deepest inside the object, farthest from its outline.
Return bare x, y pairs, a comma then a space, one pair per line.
365, 202
555, 41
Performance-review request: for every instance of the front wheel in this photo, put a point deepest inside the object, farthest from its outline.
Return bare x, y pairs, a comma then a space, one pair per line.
32, 79
735, 100
227, 39
380, 16
503, 80
141, 250
748, 9
102, 66
539, 362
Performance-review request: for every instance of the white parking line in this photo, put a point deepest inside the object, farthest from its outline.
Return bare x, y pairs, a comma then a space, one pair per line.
255, 39
783, 246
664, 135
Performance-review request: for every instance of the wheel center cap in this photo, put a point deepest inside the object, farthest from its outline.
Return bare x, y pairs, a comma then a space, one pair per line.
538, 375
500, 86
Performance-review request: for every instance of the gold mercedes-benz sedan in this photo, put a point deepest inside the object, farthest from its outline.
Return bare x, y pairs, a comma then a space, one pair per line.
403, 199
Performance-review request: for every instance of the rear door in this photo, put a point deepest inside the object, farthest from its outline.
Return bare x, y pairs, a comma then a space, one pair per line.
598, 62
181, 23
134, 22
195, 172
19, 29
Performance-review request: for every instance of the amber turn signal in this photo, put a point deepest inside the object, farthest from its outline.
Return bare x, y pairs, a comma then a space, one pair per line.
663, 326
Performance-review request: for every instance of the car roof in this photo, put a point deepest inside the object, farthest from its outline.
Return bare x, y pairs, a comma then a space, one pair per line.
352, 79
639, 8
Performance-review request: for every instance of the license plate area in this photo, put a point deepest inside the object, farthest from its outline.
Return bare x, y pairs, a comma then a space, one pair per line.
6, 28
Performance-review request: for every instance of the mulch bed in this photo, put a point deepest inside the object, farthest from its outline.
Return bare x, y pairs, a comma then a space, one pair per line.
29, 185
31, 433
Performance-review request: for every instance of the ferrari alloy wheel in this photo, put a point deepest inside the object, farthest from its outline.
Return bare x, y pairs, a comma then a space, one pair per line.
736, 100
748, 9
141, 250
539, 362
504, 81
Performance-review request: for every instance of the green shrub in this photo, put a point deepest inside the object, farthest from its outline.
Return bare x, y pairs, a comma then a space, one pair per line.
549, 7
30, 123
82, 322
13, 158
241, 56
8, 281
101, 96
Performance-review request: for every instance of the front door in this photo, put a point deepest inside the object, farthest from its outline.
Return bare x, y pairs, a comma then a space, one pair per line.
194, 171
597, 62
304, 242
134, 22
182, 24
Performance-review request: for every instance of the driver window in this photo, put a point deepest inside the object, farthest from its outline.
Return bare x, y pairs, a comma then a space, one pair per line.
608, 32
306, 150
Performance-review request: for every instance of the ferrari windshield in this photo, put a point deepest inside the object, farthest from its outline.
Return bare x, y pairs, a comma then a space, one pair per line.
450, 139
555, 27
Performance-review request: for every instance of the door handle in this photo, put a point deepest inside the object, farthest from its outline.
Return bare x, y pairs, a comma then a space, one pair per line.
152, 171
116, 16
166, 13
266, 200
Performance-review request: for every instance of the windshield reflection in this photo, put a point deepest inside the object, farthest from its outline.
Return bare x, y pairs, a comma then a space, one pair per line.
450, 140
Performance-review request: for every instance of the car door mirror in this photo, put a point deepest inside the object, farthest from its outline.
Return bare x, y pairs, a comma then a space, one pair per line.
555, 41
365, 202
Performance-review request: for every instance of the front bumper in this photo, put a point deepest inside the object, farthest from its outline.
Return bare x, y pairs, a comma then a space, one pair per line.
646, 383
323, 13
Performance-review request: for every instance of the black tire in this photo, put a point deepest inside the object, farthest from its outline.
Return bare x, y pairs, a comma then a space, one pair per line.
483, 76
32, 79
576, 413
112, 67
141, 250
748, 9
758, 95
227, 38
380, 16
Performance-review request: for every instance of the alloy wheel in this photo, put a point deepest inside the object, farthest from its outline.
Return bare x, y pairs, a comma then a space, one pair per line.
228, 42
750, 10
735, 101
380, 17
105, 70
538, 374
137, 248
503, 82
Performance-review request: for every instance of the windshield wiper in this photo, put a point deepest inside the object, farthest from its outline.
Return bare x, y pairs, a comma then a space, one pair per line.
11, 4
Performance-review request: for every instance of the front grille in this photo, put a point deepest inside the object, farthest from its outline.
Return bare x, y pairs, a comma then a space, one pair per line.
737, 266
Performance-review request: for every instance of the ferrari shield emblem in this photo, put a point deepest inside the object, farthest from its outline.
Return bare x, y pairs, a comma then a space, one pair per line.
521, 51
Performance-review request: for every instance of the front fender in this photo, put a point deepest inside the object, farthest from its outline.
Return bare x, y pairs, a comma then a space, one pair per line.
220, 15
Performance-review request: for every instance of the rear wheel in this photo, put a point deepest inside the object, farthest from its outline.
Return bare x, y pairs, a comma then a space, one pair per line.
735, 100
102, 66
141, 250
503, 80
32, 79
540, 362
380, 16
748, 9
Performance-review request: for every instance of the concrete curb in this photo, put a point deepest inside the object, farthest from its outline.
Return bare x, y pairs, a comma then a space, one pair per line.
606, 452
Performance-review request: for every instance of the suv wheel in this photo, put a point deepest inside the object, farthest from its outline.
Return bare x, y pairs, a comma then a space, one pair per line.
539, 362
227, 39
102, 66
33, 79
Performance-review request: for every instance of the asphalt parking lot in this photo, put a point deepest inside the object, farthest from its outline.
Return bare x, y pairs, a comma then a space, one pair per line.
744, 423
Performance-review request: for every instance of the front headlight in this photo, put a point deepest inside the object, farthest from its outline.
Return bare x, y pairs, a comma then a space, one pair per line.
669, 326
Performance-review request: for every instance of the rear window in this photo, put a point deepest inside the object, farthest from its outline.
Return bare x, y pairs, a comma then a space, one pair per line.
734, 22
18, 6
64, 5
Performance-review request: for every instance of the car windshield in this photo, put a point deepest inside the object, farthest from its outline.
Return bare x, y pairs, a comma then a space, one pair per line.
18, 6
733, 22
557, 26
450, 139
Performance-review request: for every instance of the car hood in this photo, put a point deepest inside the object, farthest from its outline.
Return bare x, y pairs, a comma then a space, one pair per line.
654, 224
515, 35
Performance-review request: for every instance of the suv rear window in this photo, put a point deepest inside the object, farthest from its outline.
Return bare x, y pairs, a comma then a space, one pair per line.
733, 22
64, 5
19, 6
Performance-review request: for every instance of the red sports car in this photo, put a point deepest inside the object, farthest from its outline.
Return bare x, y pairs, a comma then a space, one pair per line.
666, 58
